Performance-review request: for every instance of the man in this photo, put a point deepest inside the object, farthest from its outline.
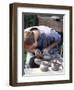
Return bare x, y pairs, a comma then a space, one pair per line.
40, 40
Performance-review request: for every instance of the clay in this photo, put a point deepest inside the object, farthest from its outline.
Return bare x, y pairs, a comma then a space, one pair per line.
56, 65
44, 66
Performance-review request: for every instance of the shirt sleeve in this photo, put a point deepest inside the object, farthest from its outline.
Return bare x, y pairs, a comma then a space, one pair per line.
54, 36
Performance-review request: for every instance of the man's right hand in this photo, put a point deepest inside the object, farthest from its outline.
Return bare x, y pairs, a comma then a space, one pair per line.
38, 53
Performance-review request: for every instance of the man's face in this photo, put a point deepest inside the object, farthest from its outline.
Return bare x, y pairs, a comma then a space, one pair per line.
31, 47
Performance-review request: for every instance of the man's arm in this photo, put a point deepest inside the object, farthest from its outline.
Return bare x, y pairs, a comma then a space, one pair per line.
53, 45
53, 40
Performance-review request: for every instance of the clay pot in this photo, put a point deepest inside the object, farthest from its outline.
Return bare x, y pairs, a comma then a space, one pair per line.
56, 65
44, 66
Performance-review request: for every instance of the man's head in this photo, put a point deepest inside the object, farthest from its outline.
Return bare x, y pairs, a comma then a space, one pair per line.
28, 40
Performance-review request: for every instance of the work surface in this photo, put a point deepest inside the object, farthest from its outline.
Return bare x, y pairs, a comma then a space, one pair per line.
38, 72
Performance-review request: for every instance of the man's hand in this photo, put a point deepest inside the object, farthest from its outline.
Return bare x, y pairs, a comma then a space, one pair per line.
45, 51
38, 53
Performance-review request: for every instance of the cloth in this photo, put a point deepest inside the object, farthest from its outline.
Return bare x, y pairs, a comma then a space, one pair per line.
42, 29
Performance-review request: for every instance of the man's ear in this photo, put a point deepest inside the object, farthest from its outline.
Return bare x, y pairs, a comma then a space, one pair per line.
32, 33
